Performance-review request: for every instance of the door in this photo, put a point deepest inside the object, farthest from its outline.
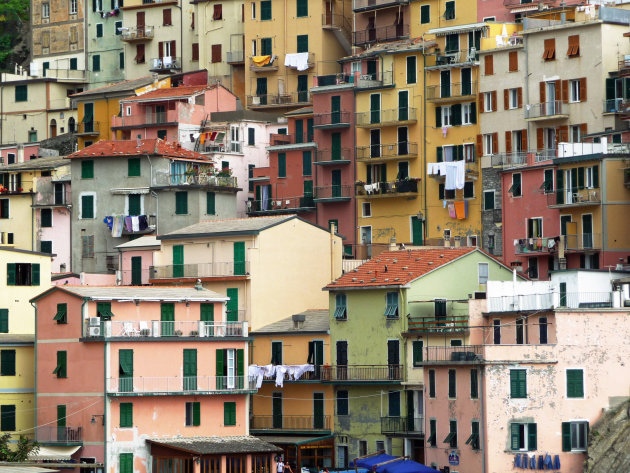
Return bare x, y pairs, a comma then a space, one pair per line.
88, 117
410, 412
239, 258
375, 108
403, 105
375, 143
62, 433
416, 231
302, 87
318, 410
178, 261
308, 194
366, 241
53, 128
207, 315
551, 98
371, 30
466, 81
587, 231
276, 410
403, 143
261, 90
167, 319
232, 304
329, 13
393, 359
190, 370
372, 69
335, 146
336, 183
335, 109
125, 371
136, 270
342, 360
445, 84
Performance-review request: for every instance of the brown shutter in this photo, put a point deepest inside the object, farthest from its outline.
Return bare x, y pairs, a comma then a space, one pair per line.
550, 49
513, 61
508, 141
139, 54
195, 52
173, 49
218, 12
540, 139
543, 92
481, 104
582, 130
216, 53
161, 49
489, 65
574, 46
166, 17
563, 134
506, 99
519, 93
495, 143
565, 91
479, 146
524, 139
140, 19
582, 89
494, 100
243, 12
192, 23
558, 90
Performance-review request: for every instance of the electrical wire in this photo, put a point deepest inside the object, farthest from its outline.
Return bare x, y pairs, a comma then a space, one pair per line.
56, 420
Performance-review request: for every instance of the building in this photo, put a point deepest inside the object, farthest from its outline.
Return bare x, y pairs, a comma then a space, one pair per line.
298, 415
128, 339
249, 259
136, 260
164, 185
105, 56
382, 315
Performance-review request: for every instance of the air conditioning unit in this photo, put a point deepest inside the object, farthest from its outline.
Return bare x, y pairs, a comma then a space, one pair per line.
95, 322
95, 331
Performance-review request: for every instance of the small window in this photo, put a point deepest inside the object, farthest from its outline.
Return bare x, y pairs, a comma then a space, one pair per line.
229, 412
134, 204
87, 206
425, 14
482, 273
118, 28
253, 10
391, 309
520, 327
488, 102
99, 30
193, 414
96, 63
21, 93
513, 98
488, 200
276, 353
363, 448
574, 90
417, 348
46, 218
469, 190
342, 403
4, 208
301, 8
523, 437
61, 369
367, 209
449, 13
542, 331
515, 189
7, 362
74, 64
87, 169
265, 10
451, 438
302, 43
181, 203
133, 167
548, 181
518, 384
7, 418
341, 309
411, 69
452, 384
251, 136
549, 54
61, 316
496, 328
574, 436
126, 414
446, 115
575, 383
211, 203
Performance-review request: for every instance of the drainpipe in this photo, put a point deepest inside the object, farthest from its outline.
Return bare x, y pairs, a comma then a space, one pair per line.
35, 355
424, 141
482, 424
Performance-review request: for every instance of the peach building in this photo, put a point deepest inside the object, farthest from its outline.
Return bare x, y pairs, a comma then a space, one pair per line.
533, 376
123, 371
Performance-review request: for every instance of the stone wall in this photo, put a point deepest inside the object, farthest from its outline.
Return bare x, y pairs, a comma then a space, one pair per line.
491, 179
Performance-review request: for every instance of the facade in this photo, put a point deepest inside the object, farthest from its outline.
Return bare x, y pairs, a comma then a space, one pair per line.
298, 415
136, 260
248, 259
114, 179
382, 315
128, 339
104, 49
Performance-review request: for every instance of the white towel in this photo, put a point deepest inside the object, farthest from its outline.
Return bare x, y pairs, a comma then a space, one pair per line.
451, 172
297, 60
135, 223
460, 176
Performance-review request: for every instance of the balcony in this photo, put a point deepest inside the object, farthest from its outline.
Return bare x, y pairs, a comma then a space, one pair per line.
389, 117
151, 329
326, 157
402, 425
141, 120
333, 79
551, 301
284, 141
287, 99
554, 110
87, 129
271, 63
214, 269
218, 182
380, 34
583, 242
623, 66
465, 354
449, 58
292, 423
365, 5
446, 324
180, 385
332, 120
165, 65
374, 80
347, 374
522, 158
284, 205
137, 34
618, 105
230, 147
235, 57
451, 92
310, 62
388, 189
51, 434
384, 152
626, 178
326, 194
564, 198
538, 245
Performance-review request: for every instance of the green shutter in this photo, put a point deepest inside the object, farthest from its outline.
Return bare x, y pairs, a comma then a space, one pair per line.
335, 146
240, 362
232, 304
307, 168
211, 203
11, 270
438, 117
190, 362
375, 108
181, 203
596, 176
302, 43
61, 415
134, 204
125, 361
265, 10
532, 440
575, 383
452, 384
196, 413
474, 383
580, 173
87, 169
265, 50
167, 319
417, 346
61, 368
411, 69
515, 436
473, 114
133, 167
7, 362
219, 364
239, 258
302, 8
229, 413
121, 57
518, 384
61, 315
559, 186
4, 320
46, 218
178, 261
125, 461
96, 63
456, 117
126, 414
206, 312
566, 436
282, 165
403, 105
425, 14
438, 154
87, 206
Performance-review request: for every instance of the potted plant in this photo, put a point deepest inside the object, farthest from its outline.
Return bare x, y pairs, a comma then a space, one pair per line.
178, 333
194, 333
360, 187
145, 332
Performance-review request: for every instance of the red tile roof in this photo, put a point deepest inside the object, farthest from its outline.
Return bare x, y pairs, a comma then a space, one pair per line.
153, 147
397, 268
171, 92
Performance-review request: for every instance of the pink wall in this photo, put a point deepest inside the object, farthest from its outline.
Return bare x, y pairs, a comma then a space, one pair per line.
59, 234
147, 262
28, 151
493, 8
88, 279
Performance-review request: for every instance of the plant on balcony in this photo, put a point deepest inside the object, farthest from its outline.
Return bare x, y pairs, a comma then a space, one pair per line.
178, 333
225, 172
194, 333
145, 332
360, 187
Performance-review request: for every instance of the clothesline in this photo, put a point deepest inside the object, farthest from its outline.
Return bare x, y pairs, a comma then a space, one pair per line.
131, 223
454, 171
295, 372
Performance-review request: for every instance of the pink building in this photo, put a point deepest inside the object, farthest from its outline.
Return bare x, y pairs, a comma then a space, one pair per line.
10, 154
123, 370
136, 259
515, 10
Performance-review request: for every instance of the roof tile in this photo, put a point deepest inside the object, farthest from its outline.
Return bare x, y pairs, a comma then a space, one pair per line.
156, 146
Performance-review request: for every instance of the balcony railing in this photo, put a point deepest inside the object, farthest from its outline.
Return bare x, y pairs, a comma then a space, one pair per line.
548, 301
201, 179
402, 425
393, 116
448, 90
368, 4
169, 117
179, 384
333, 193
48, 434
615, 105
535, 245
277, 139
464, 353
358, 373
137, 33
272, 65
290, 422
216, 269
281, 205
279, 100
583, 241
390, 189
332, 119
87, 128
234, 147
235, 57
165, 64
329, 156
380, 34
545, 110
387, 151
374, 79
446, 58
164, 329
447, 324
573, 197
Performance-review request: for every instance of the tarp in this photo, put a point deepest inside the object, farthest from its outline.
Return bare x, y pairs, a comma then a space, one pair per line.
401, 466
54, 453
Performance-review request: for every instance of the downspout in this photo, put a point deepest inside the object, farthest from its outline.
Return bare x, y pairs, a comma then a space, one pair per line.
424, 140
35, 377
482, 424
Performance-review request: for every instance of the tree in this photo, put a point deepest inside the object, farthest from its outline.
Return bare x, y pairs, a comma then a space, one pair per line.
13, 25
24, 448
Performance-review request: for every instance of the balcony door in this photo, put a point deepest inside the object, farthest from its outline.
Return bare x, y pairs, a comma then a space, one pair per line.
232, 304
239, 258
318, 410
335, 109
375, 143
466, 76
342, 359
403, 105
550, 92
403, 141
587, 231
336, 183
62, 434
125, 371
167, 319
190, 370
445, 84
393, 359
178, 261
136, 270
302, 88
276, 410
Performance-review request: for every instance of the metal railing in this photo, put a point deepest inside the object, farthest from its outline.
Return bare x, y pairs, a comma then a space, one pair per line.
269, 67
278, 139
137, 33
451, 323
165, 63
59, 435
583, 241
201, 270
287, 98
454, 90
179, 384
383, 188
201, 179
545, 109
235, 147
333, 192
327, 155
281, 204
233, 57
585, 300
87, 128
623, 64
467, 353
453, 57
520, 302
615, 105
367, 4
149, 118
573, 197
339, 22
380, 34
384, 117
374, 79
387, 150
332, 118
290, 422
362, 373
310, 61
406, 424
166, 329
535, 245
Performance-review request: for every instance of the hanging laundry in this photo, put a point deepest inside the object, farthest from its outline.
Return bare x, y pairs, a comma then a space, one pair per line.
532, 462
143, 223
109, 221
451, 173
135, 223
117, 226
280, 371
213, 135
460, 176
548, 462
556, 462
202, 138
460, 210
297, 60
517, 461
451, 211
541, 462
128, 226
261, 61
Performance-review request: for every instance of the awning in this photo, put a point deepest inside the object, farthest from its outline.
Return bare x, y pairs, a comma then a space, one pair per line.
524, 9
293, 439
54, 452
87, 118
456, 29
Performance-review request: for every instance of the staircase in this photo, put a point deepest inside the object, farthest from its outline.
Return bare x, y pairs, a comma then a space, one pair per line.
339, 25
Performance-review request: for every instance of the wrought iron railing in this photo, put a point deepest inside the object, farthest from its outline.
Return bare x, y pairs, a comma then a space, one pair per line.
466, 353
290, 422
545, 109
59, 435
200, 270
401, 425
384, 373
380, 34
387, 150
451, 323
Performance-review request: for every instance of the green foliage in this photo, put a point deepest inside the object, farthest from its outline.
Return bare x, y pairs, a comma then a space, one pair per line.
23, 449
13, 17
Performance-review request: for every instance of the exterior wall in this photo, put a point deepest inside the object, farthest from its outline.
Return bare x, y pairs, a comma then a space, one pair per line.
109, 47
104, 110
86, 279
493, 9
19, 390
615, 239
20, 221
23, 153
125, 264
491, 221
464, 15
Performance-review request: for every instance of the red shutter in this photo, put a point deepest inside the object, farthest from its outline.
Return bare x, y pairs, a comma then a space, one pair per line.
479, 146
140, 19
563, 134
582, 130
166, 17
218, 12
565, 91
519, 94
216, 53
495, 143
489, 65
540, 139
508, 141
513, 61
583, 89
558, 90
506, 99
481, 104
161, 49
192, 23
195, 52
543, 92
173, 49
494, 100
139, 54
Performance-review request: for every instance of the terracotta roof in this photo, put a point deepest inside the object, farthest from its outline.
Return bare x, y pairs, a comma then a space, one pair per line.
315, 320
169, 93
217, 445
397, 268
156, 146
124, 86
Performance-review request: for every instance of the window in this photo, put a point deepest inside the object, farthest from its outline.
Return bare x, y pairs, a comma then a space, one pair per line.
488, 200
7, 362
87, 206
301, 8
449, 13
468, 116
125, 463
452, 43
276, 353
518, 384
166, 17
542, 331
513, 101
451, 438
265, 10
341, 310
469, 189
117, 28
61, 316
229, 412
513, 61
520, 328
575, 383
515, 189
139, 54
391, 308
473, 440
523, 437
61, 369
432, 441
133, 167
134, 204
45, 246
96, 63
22, 274
210, 203
307, 168
490, 101
87, 246
87, 169
548, 181
490, 143
452, 384
73, 7
216, 53
488, 63
482, 273
46, 218
363, 448
217, 13
121, 60
342, 403
302, 43
266, 46
549, 53
446, 115
126, 414
534, 228
282, 165
181, 203
253, 10
474, 383
574, 91
99, 30
367, 209
574, 436
97, 5
425, 14
4, 320
32, 136
411, 69
4, 208
193, 414
74, 64
45, 10
574, 46
417, 347
251, 136
21, 93
7, 418
393, 401
432, 383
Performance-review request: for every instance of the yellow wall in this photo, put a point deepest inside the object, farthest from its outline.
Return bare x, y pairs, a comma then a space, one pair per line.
104, 110
20, 221
616, 216
464, 15
19, 390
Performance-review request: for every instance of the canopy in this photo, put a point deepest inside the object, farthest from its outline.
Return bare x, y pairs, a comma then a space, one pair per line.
400, 466
54, 453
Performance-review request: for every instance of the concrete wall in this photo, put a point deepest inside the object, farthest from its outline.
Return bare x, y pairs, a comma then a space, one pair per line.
108, 47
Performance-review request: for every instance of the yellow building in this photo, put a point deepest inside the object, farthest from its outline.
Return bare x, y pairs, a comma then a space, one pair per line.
287, 44
296, 414
23, 274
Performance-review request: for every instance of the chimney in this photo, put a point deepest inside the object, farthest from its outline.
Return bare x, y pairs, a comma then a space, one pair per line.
392, 244
458, 241
138, 141
298, 321
198, 285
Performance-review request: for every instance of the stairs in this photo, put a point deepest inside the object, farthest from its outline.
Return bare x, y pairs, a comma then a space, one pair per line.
339, 25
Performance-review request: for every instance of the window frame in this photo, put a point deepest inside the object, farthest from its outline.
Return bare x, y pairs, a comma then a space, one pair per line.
574, 91
524, 436
489, 192
45, 10
488, 105
392, 310
341, 307
126, 415
479, 273
342, 401
519, 187
428, 9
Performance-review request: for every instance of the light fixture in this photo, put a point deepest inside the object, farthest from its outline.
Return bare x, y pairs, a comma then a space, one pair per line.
94, 416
